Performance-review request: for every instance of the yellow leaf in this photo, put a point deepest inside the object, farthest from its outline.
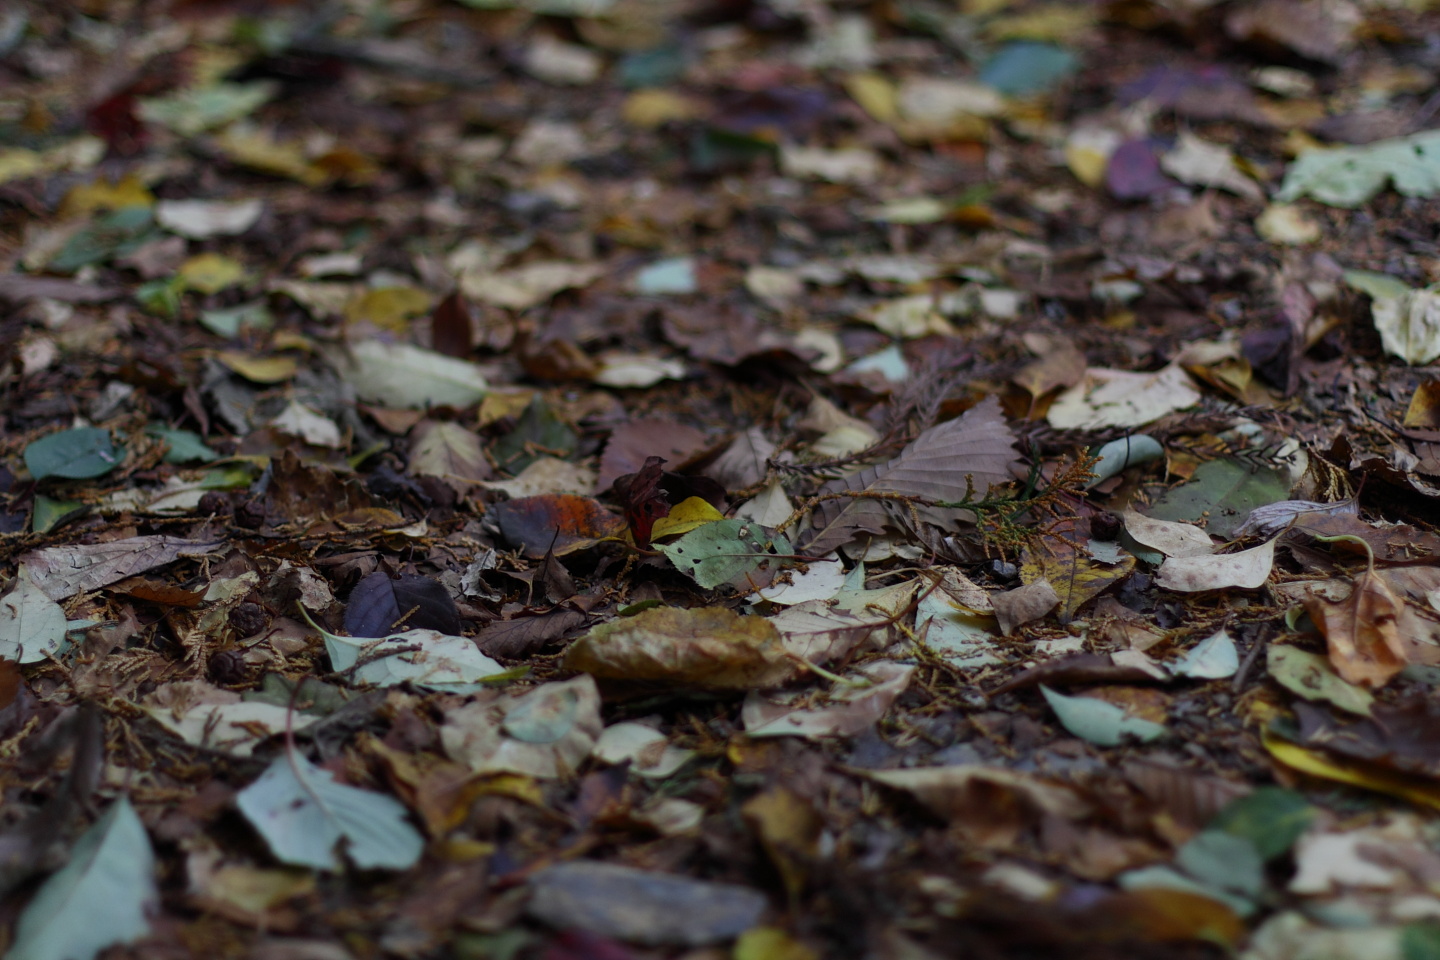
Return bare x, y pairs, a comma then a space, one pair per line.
19, 163
211, 273
389, 308
102, 195
1316, 764
648, 109
771, 943
259, 369
686, 516
875, 94
258, 150
1056, 23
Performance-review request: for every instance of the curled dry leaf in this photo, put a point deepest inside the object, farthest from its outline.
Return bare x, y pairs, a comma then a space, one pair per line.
709, 648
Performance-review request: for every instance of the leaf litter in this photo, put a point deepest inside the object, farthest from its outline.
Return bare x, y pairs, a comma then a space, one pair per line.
708, 444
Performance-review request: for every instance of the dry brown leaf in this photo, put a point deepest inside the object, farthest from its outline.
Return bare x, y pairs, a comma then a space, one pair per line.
978, 446
1362, 631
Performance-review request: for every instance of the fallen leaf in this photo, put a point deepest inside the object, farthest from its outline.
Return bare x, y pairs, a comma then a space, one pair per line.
1245, 569
1122, 398
707, 648
967, 455
566, 521
1103, 724
302, 813
1362, 631
1311, 676
545, 732
100, 898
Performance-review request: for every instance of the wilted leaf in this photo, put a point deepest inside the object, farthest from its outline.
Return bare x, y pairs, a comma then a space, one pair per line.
977, 446
302, 813
1015, 608
646, 749
100, 898
78, 454
447, 450
203, 219
642, 906
1122, 398
1271, 818
709, 648
64, 571
1362, 631
1170, 537
685, 516
1103, 724
1213, 658
1222, 492
734, 552
1311, 676
847, 711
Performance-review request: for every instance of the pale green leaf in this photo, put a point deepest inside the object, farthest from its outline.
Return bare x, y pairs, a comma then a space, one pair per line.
32, 626
1103, 724
1348, 176
98, 899
302, 813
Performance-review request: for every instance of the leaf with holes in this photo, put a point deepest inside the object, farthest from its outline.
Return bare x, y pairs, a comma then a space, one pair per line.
733, 552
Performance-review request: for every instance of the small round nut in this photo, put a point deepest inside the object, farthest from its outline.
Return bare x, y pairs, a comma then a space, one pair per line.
227, 666
250, 514
248, 619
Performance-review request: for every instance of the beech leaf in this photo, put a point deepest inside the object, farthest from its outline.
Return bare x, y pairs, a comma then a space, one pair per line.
978, 445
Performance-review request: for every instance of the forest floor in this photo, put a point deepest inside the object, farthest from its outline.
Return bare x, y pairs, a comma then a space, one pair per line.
755, 479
